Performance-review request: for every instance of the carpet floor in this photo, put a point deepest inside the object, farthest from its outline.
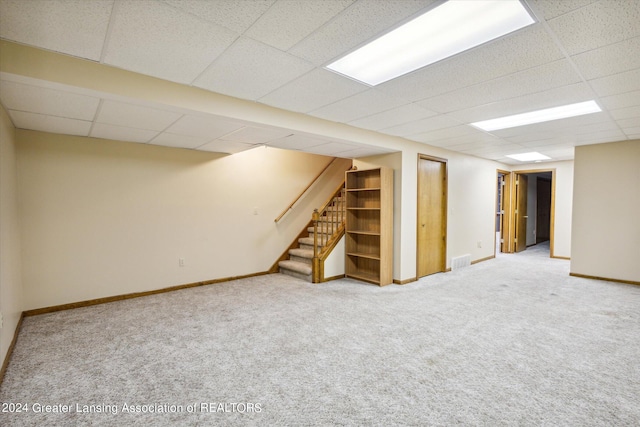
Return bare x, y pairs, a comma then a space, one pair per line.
510, 341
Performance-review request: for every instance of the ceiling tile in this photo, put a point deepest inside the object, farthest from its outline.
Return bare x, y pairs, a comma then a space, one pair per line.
32, 121
538, 79
422, 126
203, 127
621, 100
611, 59
596, 25
17, 96
229, 147
554, 8
296, 142
628, 123
331, 148
256, 135
135, 116
396, 116
571, 124
632, 132
153, 38
237, 15
359, 105
568, 94
527, 48
312, 91
447, 133
600, 137
288, 22
618, 83
626, 113
75, 27
250, 70
180, 141
121, 133
362, 21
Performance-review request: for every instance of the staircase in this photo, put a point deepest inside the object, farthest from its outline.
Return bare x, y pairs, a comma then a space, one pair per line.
330, 222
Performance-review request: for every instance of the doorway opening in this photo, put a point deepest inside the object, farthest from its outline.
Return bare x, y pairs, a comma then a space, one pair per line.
532, 210
431, 248
503, 219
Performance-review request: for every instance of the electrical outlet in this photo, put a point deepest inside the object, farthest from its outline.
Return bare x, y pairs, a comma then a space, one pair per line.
255, 211
1, 320
479, 244
181, 262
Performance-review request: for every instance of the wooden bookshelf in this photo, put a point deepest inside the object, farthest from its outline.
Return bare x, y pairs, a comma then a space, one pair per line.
369, 225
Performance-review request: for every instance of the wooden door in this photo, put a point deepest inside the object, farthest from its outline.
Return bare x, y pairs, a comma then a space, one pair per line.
521, 212
432, 208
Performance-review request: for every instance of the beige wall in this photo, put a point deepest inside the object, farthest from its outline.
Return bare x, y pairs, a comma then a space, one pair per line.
103, 218
10, 277
563, 203
606, 211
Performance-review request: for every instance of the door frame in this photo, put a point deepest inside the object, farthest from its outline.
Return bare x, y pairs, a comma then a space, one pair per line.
506, 223
445, 198
553, 205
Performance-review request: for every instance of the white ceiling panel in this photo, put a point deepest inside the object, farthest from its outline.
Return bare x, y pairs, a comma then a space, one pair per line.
331, 148
250, 70
626, 113
622, 100
628, 81
76, 27
363, 20
33, 99
422, 126
598, 24
179, 141
256, 135
229, 147
296, 142
611, 59
553, 8
312, 91
359, 105
237, 15
288, 22
629, 123
53, 124
135, 116
600, 137
447, 133
396, 116
154, 38
551, 75
203, 127
527, 48
120, 133
568, 94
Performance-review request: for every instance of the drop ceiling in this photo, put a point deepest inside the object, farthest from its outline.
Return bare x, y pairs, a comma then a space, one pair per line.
272, 52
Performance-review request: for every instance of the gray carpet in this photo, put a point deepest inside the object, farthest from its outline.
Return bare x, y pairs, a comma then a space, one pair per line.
510, 341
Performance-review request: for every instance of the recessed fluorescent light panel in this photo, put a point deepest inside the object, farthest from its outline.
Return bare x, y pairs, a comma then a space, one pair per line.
451, 28
539, 116
529, 157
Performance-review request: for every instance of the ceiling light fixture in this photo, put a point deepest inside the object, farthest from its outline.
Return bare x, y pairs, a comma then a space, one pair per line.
539, 116
450, 28
529, 157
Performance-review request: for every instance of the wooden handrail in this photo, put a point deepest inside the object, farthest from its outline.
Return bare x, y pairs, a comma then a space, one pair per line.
284, 212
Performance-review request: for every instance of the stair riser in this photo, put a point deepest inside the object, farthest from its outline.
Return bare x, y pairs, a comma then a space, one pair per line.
307, 261
306, 278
